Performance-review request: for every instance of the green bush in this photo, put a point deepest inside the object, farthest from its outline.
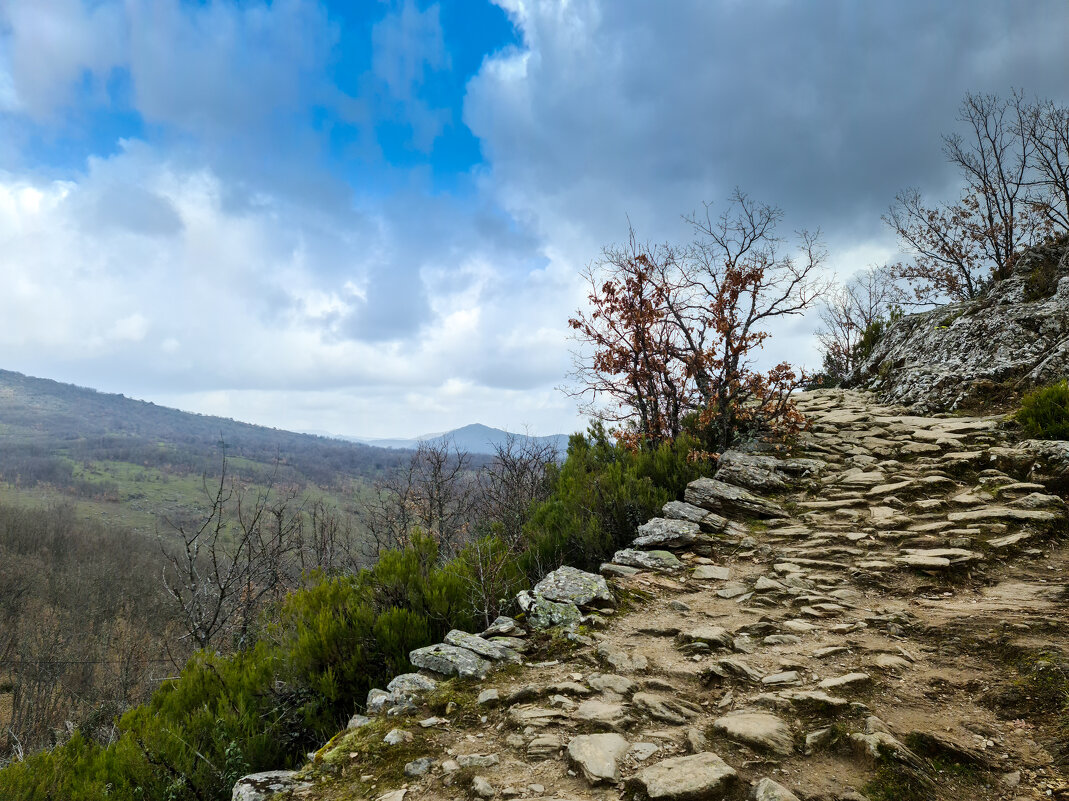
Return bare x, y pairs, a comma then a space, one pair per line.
601, 495
1044, 413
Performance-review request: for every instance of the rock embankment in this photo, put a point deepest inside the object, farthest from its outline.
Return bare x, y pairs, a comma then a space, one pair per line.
884, 616
1013, 338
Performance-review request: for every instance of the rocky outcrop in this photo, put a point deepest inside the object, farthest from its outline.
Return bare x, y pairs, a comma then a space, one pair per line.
1013, 338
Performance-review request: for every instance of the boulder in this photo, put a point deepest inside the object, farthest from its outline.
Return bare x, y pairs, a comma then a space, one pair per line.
751, 470
728, 499
543, 614
681, 510
503, 627
411, 684
596, 755
699, 777
569, 585
450, 661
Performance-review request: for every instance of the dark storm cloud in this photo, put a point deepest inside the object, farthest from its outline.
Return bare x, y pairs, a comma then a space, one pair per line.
826, 109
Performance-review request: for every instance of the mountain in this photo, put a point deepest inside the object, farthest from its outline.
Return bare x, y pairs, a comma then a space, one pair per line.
474, 438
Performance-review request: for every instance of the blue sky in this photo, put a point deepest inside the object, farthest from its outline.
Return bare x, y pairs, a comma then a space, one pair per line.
369, 217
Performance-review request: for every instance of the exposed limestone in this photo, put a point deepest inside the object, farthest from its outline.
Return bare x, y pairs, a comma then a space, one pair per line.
1006, 340
668, 534
262, 786
647, 560
487, 649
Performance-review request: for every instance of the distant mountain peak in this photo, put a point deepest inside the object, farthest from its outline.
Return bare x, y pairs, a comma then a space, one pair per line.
474, 438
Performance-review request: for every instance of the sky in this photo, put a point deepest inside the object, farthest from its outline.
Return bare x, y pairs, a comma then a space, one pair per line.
369, 218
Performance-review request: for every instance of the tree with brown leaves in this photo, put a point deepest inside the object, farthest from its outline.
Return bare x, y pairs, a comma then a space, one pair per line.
672, 333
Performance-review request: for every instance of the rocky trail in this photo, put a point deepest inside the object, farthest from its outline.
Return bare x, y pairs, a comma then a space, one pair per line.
884, 615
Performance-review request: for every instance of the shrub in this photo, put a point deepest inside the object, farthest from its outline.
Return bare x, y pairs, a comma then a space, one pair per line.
602, 493
1044, 413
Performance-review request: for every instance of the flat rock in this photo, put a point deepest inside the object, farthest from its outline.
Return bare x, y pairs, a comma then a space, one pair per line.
450, 660
647, 560
569, 585
751, 470
536, 716
675, 711
760, 730
610, 682
664, 533
1001, 513
604, 715
545, 746
711, 573
699, 777
596, 755
716, 636
487, 649
728, 499
681, 510
620, 660
262, 786
477, 760
845, 682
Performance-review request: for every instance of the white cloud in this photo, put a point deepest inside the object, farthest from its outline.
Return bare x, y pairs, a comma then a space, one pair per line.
52, 45
261, 300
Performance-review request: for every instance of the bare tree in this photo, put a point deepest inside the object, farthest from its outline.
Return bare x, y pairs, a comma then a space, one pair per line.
1013, 165
852, 314
1047, 129
435, 491
516, 479
241, 553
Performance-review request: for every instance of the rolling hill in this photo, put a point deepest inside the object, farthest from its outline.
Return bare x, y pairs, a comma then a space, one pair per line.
132, 461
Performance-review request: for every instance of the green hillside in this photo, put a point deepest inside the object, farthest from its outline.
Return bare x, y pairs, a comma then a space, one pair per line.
127, 461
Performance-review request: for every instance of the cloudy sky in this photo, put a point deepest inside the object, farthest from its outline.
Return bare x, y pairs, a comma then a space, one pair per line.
368, 217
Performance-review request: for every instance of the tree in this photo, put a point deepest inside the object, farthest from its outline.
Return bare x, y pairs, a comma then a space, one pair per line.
673, 332
435, 492
852, 316
516, 479
1013, 166
1047, 128
242, 553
